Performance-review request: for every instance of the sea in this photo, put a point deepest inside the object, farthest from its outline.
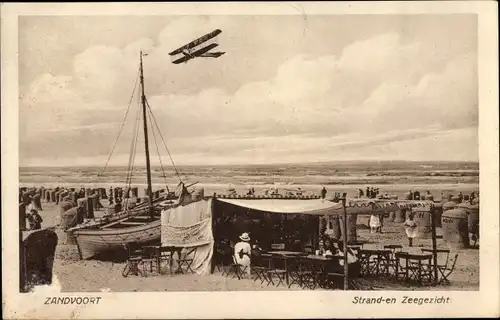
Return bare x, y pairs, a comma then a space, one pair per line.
394, 177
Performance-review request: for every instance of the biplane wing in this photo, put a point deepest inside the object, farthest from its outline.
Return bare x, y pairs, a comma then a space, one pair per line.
184, 56
196, 48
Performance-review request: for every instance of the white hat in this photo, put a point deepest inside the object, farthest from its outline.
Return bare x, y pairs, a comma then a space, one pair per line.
244, 236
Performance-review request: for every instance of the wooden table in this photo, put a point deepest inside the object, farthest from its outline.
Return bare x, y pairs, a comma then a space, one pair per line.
170, 250
320, 264
285, 256
287, 253
415, 263
372, 267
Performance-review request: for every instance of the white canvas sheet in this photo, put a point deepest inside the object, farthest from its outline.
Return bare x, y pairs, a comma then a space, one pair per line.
190, 226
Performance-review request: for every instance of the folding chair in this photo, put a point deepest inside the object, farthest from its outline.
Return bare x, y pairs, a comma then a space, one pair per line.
279, 269
134, 260
401, 268
186, 260
164, 254
293, 268
391, 267
368, 266
236, 269
150, 257
226, 261
440, 252
267, 262
419, 271
260, 270
307, 273
386, 262
447, 270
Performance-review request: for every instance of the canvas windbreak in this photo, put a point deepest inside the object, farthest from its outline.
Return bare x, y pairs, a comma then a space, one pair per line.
190, 227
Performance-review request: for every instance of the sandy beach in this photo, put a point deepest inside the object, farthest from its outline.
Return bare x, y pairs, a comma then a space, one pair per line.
76, 275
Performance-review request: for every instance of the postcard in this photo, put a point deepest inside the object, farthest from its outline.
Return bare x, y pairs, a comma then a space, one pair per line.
250, 160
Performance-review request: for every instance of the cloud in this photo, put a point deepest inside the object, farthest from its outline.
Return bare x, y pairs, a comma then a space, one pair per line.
374, 95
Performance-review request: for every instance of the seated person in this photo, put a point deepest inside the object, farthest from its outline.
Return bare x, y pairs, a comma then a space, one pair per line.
222, 254
256, 255
243, 251
353, 263
329, 247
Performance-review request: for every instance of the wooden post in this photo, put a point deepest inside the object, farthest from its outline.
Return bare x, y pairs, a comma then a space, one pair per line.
434, 245
344, 236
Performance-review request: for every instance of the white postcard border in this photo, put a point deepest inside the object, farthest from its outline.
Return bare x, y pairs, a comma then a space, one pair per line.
283, 304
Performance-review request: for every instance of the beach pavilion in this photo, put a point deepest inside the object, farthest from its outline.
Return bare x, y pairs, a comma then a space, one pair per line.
203, 225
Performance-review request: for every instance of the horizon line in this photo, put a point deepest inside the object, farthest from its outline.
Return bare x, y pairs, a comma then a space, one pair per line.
254, 164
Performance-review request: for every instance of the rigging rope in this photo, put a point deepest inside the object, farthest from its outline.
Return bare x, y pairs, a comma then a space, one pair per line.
121, 127
133, 147
164, 143
158, 150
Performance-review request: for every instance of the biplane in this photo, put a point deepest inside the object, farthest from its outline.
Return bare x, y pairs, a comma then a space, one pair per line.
197, 48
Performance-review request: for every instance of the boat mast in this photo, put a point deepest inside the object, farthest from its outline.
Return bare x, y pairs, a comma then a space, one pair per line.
146, 144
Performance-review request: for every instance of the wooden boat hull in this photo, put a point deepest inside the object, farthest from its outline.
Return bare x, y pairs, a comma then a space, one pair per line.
90, 242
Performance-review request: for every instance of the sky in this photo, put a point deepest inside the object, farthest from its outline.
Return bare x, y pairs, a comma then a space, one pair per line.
289, 89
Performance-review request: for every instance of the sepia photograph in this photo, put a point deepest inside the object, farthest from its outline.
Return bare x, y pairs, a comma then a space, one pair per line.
298, 153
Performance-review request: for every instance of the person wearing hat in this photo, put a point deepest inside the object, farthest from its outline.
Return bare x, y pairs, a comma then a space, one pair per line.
243, 251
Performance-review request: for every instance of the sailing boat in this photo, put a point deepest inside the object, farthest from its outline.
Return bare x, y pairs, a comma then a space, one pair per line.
141, 224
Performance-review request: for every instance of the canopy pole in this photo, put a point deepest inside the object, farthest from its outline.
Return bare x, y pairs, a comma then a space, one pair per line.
434, 245
344, 236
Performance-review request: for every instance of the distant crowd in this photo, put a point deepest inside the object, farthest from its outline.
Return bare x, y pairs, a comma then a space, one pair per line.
371, 192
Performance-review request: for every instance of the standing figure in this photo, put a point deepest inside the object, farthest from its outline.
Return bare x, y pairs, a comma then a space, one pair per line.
374, 223
323, 193
110, 197
381, 218
243, 252
82, 192
411, 229
416, 195
471, 197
